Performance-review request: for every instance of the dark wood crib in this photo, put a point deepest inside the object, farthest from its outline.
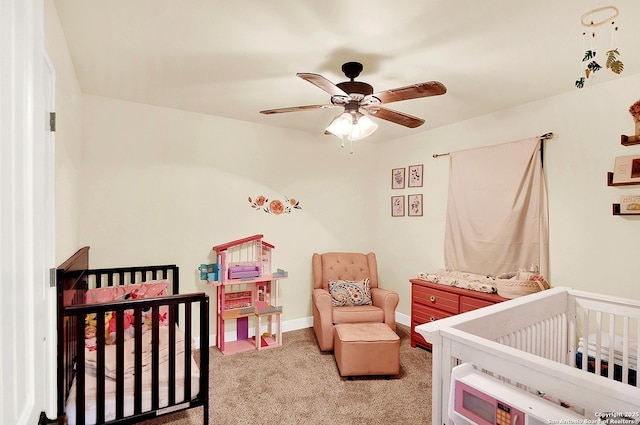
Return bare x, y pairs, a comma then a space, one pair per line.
166, 381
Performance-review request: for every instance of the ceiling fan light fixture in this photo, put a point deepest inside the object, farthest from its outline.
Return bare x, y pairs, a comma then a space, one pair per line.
352, 125
362, 128
341, 125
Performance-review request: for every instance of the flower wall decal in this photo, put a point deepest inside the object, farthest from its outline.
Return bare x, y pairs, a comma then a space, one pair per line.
275, 206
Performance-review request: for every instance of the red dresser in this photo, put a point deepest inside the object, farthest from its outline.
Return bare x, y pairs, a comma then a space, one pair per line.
431, 301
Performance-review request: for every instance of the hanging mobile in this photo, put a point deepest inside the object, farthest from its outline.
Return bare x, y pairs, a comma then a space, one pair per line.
612, 56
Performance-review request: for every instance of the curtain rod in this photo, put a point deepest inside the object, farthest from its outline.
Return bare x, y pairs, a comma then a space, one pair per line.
545, 136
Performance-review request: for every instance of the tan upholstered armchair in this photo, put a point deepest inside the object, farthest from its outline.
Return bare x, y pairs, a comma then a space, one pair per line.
350, 267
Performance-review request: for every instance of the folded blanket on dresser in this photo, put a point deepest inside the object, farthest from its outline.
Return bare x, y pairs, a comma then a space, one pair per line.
475, 282
129, 353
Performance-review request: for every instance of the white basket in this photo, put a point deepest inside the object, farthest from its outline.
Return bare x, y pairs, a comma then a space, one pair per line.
513, 288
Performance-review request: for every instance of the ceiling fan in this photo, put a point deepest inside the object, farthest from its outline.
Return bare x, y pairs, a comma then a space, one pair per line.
360, 102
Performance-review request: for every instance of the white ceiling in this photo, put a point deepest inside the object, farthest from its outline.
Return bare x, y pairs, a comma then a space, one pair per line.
235, 58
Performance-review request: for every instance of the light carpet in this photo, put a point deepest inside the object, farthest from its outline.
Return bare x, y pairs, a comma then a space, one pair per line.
299, 384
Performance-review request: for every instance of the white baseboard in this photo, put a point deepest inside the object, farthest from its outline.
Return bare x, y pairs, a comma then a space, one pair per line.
403, 319
292, 325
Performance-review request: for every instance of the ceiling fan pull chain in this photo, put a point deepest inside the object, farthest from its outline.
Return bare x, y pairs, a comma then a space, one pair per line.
351, 147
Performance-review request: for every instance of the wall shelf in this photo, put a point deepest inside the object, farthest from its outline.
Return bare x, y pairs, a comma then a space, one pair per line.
629, 140
610, 181
625, 141
616, 211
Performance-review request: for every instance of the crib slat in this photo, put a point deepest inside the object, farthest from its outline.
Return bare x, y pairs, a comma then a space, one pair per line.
137, 384
555, 335
187, 349
625, 350
565, 346
155, 358
100, 368
545, 341
119, 363
598, 354
612, 342
585, 343
204, 356
68, 352
172, 358
573, 333
557, 339
80, 384
637, 351
544, 346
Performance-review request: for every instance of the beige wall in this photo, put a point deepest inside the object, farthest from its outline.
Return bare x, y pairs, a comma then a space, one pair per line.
68, 135
164, 186
156, 185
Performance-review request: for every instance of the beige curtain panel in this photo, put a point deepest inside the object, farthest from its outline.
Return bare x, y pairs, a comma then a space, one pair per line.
497, 215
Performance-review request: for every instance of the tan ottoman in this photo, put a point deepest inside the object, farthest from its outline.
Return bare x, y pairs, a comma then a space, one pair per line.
366, 349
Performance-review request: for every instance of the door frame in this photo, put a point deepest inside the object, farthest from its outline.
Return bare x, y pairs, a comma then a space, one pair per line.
25, 226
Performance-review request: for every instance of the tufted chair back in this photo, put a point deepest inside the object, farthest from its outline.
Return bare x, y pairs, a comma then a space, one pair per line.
344, 266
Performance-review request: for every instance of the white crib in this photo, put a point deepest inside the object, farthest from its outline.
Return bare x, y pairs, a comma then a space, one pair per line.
533, 342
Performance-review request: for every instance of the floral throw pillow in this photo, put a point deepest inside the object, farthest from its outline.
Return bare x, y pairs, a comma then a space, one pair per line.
350, 292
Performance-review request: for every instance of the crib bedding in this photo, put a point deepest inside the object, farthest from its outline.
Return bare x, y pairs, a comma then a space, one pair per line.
606, 359
129, 353
617, 374
605, 350
110, 374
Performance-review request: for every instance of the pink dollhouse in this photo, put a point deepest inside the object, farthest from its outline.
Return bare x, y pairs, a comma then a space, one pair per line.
247, 291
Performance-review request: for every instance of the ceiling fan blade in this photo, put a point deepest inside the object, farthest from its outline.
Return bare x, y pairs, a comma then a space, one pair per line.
396, 117
295, 109
323, 83
414, 91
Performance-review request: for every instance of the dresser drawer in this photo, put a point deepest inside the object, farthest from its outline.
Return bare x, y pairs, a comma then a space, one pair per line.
435, 298
469, 303
423, 314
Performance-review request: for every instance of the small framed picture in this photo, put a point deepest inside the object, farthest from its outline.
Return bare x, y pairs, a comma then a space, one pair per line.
397, 178
415, 205
397, 206
415, 175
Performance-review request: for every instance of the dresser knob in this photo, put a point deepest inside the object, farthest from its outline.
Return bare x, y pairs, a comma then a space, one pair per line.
432, 319
432, 298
